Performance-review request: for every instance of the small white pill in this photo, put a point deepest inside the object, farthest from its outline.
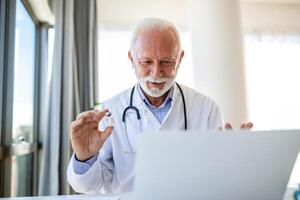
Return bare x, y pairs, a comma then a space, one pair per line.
109, 120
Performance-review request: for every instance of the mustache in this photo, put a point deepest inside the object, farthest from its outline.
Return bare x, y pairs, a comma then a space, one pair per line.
156, 80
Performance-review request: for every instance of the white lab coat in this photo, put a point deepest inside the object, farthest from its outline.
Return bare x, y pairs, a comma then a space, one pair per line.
114, 170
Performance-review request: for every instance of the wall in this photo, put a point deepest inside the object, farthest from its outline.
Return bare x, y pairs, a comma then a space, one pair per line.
120, 14
256, 14
270, 17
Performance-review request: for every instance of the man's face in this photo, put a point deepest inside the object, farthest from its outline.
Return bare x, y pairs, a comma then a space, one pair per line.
156, 58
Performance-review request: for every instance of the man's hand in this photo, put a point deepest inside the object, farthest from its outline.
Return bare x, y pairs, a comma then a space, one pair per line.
248, 125
85, 137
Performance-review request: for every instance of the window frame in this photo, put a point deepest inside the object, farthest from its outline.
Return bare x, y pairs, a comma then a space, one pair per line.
2, 25
7, 42
9, 15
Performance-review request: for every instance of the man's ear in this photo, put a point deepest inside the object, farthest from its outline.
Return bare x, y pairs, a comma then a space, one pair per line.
181, 56
130, 57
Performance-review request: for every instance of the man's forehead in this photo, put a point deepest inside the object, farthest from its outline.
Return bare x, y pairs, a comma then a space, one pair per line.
150, 55
149, 35
163, 43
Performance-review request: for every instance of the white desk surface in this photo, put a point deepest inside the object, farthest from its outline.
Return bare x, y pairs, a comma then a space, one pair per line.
73, 197
126, 196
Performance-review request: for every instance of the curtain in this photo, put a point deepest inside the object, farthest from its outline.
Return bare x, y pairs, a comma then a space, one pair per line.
72, 89
86, 40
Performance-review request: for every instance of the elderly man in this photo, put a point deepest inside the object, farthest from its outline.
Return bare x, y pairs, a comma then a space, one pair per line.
104, 159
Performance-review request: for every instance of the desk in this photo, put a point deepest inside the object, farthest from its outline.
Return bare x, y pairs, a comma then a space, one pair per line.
126, 196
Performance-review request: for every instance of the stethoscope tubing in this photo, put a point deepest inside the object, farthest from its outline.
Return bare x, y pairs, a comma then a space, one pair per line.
138, 116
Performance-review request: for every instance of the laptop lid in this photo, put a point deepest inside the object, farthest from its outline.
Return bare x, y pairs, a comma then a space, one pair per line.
215, 165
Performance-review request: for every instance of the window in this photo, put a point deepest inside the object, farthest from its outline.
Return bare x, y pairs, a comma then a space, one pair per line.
18, 65
51, 35
272, 69
24, 67
115, 70
23, 99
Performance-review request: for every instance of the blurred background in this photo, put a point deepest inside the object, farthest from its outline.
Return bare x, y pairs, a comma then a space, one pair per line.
61, 57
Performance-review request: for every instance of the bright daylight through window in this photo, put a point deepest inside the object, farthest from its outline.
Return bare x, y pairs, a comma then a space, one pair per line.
272, 72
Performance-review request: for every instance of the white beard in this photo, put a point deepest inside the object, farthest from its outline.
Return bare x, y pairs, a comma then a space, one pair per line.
156, 92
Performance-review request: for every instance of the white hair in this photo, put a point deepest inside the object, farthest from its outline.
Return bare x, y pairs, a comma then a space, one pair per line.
154, 24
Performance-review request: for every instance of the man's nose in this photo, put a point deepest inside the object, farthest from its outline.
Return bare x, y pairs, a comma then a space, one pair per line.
156, 70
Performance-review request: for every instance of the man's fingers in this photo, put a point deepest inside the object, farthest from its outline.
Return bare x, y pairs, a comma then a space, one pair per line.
83, 115
243, 126
106, 133
92, 113
77, 123
228, 126
94, 118
86, 126
96, 115
249, 125
101, 113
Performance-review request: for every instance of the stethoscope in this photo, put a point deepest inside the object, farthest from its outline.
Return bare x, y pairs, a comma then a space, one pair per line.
138, 116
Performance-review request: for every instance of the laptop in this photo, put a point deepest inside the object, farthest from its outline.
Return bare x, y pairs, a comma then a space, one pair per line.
229, 165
